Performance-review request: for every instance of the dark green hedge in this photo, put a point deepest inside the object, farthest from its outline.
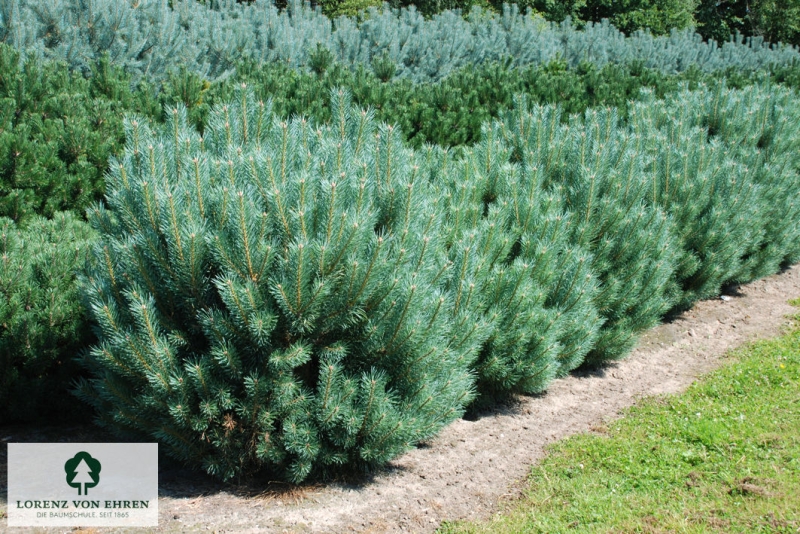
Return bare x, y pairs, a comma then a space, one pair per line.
43, 324
57, 131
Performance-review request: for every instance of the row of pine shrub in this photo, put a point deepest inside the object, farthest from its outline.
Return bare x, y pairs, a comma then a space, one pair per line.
150, 38
712, 19
58, 129
307, 298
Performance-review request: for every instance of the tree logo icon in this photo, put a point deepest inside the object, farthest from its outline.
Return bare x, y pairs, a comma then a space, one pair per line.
82, 470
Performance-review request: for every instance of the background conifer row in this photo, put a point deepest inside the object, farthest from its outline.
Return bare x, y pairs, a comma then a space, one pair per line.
58, 129
773, 21
149, 38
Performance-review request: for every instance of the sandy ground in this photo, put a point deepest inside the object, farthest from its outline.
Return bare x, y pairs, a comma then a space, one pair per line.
474, 465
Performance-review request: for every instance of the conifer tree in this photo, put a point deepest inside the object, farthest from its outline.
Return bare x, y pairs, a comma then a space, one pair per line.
520, 353
273, 295
47, 153
542, 228
716, 171
151, 38
760, 127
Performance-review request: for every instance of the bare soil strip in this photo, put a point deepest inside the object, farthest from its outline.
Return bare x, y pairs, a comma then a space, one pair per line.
473, 465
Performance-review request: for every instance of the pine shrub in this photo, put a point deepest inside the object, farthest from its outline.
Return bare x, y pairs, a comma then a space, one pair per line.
718, 171
525, 276
59, 129
57, 132
51, 159
273, 296
42, 323
597, 169
520, 352
710, 195
541, 226
761, 126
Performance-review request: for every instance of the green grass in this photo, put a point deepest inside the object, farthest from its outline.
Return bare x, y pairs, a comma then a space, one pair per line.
722, 457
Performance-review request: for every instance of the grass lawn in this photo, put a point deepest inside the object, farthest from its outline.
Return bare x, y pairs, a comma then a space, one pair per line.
722, 457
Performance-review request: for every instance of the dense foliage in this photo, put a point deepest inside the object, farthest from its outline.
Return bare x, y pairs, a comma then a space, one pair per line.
597, 168
55, 139
42, 322
448, 113
656, 16
774, 21
274, 295
290, 297
528, 278
279, 281
723, 163
149, 39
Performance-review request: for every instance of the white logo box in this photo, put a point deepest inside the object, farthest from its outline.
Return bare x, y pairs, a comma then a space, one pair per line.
82, 484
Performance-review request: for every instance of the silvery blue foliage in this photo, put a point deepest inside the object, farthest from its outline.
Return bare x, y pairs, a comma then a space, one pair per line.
148, 37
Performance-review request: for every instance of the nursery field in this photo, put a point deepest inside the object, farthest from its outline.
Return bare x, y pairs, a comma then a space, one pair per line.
480, 466
289, 248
